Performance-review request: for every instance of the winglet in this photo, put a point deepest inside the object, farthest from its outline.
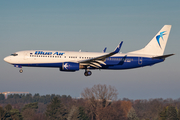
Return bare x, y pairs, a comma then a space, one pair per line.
104, 49
118, 47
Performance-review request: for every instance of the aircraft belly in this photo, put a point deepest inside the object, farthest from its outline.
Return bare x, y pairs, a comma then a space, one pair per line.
42, 65
39, 62
131, 63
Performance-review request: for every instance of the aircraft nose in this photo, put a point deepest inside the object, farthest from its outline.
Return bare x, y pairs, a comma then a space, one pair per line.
7, 59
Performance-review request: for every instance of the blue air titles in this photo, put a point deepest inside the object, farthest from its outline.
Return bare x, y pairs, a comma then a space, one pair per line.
47, 53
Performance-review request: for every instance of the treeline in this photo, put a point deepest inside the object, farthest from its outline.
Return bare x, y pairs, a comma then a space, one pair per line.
97, 103
29, 98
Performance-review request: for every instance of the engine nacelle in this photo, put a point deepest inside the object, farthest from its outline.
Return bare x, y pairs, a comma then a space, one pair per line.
69, 66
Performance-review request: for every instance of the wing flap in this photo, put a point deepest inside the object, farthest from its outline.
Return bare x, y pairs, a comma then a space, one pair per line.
101, 62
94, 63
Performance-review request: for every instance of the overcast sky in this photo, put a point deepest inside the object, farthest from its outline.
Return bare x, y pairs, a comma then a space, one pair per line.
89, 25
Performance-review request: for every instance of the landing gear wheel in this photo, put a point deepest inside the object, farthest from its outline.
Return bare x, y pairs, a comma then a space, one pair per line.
87, 73
20, 70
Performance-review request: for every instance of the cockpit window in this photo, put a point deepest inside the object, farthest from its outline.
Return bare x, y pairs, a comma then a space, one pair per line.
14, 54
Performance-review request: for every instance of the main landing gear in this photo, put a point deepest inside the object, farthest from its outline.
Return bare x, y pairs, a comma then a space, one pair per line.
87, 72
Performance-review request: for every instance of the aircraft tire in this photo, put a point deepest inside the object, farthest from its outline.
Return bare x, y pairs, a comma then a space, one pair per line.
87, 73
20, 70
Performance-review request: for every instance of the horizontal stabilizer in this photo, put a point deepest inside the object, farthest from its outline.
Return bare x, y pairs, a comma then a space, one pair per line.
162, 57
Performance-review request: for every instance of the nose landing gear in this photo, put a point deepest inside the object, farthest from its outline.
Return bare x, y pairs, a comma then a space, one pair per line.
21, 70
87, 72
19, 66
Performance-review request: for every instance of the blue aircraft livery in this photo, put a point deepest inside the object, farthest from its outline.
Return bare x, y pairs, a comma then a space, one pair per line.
160, 36
72, 61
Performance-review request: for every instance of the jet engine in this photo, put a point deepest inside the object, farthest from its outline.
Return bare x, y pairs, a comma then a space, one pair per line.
69, 66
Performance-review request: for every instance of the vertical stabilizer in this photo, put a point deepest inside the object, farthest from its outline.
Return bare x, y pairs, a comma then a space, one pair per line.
157, 45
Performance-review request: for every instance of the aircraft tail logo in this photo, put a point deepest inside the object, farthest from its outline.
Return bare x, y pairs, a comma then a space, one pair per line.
160, 36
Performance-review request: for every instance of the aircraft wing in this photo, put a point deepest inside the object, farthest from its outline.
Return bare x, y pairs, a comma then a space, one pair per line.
97, 61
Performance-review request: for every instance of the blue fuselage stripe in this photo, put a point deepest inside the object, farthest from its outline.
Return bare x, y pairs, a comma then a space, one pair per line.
111, 63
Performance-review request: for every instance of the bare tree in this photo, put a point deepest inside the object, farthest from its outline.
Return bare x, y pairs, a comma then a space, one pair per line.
99, 96
100, 92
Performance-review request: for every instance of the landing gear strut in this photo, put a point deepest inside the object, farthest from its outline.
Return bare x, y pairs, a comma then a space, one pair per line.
21, 70
87, 72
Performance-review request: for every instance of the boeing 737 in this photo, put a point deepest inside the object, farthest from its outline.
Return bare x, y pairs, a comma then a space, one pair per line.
68, 61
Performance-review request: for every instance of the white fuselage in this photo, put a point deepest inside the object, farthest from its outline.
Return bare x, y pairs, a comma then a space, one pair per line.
25, 57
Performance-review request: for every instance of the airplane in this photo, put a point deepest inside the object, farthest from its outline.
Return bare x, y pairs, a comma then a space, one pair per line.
71, 61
